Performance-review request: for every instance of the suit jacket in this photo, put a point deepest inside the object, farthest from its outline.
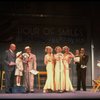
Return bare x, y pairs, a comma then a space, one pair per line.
9, 57
32, 62
29, 62
84, 59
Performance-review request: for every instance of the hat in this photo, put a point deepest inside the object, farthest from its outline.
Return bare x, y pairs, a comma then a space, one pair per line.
18, 53
82, 49
27, 47
48, 47
65, 47
25, 55
58, 47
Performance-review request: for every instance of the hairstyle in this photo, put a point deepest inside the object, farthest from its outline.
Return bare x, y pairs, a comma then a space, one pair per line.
58, 47
27, 47
48, 47
65, 47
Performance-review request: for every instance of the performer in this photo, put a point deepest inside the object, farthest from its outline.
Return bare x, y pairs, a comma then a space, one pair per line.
82, 69
59, 70
9, 67
19, 68
83, 62
66, 60
29, 61
77, 62
49, 62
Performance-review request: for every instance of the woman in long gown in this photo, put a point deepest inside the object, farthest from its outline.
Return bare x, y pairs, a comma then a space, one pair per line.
59, 70
49, 62
66, 60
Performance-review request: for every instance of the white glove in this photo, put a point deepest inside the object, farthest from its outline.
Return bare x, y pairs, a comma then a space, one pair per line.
83, 66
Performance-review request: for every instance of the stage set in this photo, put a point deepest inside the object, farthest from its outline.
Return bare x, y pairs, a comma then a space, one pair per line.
38, 94
19, 92
36, 25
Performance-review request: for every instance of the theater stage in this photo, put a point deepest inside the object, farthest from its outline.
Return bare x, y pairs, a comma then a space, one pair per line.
38, 94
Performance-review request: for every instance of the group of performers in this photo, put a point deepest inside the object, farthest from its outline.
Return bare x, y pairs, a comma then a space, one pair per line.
19, 64
57, 67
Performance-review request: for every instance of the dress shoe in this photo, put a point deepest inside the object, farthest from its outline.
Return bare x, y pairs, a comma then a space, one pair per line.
77, 89
44, 91
31, 91
18, 84
7, 92
27, 91
84, 90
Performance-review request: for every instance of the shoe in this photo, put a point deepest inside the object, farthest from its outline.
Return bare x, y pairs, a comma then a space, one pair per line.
84, 90
44, 91
60, 91
77, 89
18, 84
49, 90
27, 91
72, 90
7, 92
31, 91
57, 91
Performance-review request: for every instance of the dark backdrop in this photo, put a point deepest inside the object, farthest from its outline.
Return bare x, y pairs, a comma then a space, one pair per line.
38, 24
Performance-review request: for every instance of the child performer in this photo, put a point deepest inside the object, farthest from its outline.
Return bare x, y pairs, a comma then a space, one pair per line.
19, 68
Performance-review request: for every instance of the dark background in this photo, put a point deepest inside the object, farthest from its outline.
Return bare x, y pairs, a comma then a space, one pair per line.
41, 23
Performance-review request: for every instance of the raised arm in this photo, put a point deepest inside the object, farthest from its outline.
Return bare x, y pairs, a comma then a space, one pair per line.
71, 55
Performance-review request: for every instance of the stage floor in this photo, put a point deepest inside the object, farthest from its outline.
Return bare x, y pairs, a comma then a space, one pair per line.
38, 94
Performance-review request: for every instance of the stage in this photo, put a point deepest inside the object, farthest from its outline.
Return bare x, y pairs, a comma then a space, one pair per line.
38, 94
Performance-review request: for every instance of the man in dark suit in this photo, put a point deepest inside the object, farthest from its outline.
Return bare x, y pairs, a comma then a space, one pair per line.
82, 70
9, 67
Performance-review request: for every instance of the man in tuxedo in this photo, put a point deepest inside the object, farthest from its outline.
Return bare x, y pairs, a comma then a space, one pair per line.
9, 67
82, 70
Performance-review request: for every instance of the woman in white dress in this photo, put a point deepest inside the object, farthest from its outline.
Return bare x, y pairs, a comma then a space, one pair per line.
66, 60
19, 68
59, 70
49, 62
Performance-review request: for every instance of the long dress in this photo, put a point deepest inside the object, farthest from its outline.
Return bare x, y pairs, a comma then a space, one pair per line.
59, 72
68, 84
50, 72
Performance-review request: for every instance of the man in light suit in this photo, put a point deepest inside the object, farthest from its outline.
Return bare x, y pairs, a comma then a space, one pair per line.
29, 64
9, 67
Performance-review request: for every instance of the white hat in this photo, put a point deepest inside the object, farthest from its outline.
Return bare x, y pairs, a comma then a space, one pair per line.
25, 55
18, 53
27, 47
48, 47
65, 47
58, 47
